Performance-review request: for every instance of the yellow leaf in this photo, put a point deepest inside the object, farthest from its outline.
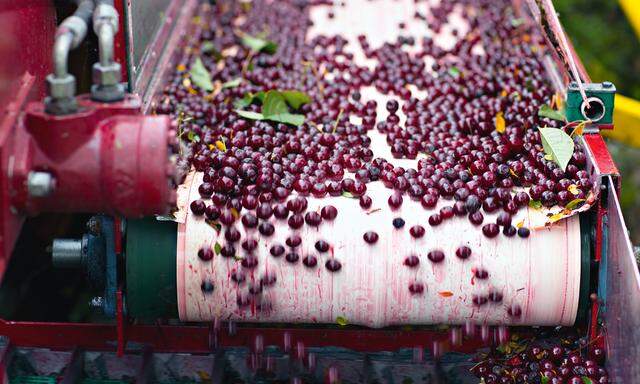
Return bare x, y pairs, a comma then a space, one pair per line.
181, 67
520, 224
342, 321
503, 93
500, 123
235, 213
221, 146
573, 189
513, 173
212, 147
556, 217
579, 128
445, 293
573, 204
548, 157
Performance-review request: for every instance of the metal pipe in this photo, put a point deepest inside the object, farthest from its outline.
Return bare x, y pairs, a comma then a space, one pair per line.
61, 49
106, 43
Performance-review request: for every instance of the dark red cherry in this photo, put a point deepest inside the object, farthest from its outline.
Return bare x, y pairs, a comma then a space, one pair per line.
292, 257
198, 207
329, 212
417, 231
490, 230
416, 288
276, 250
435, 220
205, 253
333, 265
412, 261
293, 241
266, 229
463, 252
313, 219
322, 246
436, 256
370, 237
310, 261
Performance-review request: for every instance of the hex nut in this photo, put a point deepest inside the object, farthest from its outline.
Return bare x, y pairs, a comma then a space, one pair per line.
106, 74
61, 87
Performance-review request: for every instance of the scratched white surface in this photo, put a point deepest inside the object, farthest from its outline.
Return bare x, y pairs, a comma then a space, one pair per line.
540, 273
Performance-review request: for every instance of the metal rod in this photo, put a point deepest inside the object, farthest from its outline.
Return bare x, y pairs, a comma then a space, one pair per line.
106, 43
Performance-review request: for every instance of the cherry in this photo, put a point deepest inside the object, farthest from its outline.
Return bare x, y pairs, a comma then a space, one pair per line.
296, 221
228, 250
481, 274
250, 244
395, 201
463, 252
370, 237
398, 222
198, 207
365, 201
266, 229
509, 231
207, 286
490, 230
310, 261
436, 256
232, 235
249, 262
333, 265
416, 288
495, 296
280, 211
329, 212
268, 279
313, 219
293, 241
238, 277
292, 257
205, 189
297, 205
476, 218
504, 219
322, 246
479, 300
264, 211
417, 231
205, 254
249, 220
523, 232
429, 201
277, 250
412, 261
514, 311
212, 212
435, 220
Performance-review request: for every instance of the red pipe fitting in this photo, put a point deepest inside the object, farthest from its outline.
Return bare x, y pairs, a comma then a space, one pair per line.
106, 158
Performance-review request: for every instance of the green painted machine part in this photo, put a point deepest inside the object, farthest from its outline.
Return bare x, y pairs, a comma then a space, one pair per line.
151, 269
599, 105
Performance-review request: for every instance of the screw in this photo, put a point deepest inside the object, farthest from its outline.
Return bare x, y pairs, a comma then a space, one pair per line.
607, 84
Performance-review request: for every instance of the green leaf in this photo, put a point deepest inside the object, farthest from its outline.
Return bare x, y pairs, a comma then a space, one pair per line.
573, 204
248, 99
285, 118
232, 83
348, 194
200, 76
217, 248
250, 115
454, 71
209, 47
296, 98
547, 111
274, 104
557, 144
258, 44
193, 137
535, 204
342, 321
544, 380
517, 22
586, 380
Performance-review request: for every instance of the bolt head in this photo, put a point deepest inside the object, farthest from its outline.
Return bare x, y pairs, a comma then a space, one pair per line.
106, 75
40, 184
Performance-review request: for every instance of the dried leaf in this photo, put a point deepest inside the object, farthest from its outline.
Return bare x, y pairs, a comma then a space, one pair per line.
235, 213
557, 144
547, 111
445, 293
501, 124
200, 76
220, 145
573, 189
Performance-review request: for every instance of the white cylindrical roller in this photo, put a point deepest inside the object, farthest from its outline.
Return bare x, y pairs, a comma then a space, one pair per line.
539, 274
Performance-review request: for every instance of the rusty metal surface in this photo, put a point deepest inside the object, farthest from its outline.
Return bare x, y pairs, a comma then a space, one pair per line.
622, 305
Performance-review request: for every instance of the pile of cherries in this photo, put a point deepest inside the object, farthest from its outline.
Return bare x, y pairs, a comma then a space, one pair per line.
258, 171
555, 364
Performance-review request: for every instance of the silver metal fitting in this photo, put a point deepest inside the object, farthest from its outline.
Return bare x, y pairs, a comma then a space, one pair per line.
77, 27
96, 302
61, 87
40, 184
107, 75
67, 253
105, 13
593, 109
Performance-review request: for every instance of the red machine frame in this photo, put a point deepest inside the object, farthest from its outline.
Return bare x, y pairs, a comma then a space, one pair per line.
201, 338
